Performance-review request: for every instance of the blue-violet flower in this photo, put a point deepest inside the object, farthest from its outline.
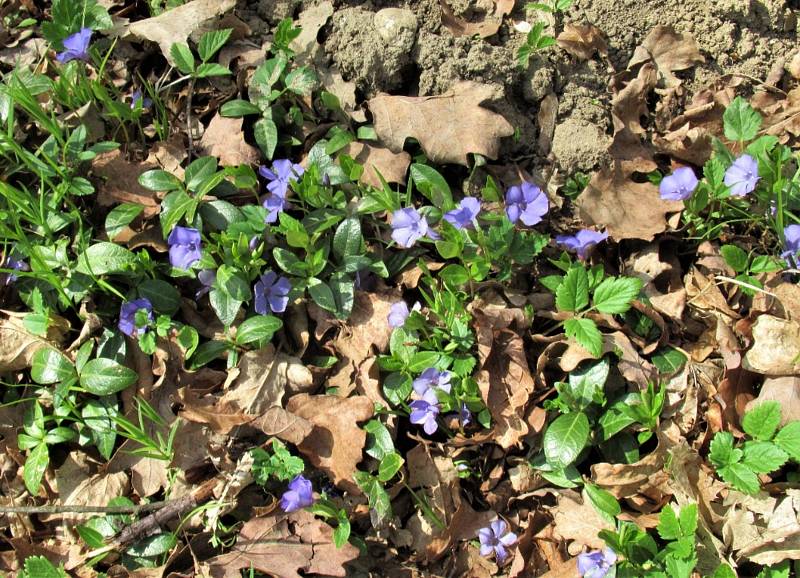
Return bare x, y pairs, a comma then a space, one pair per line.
127, 316
581, 242
463, 217
678, 186
184, 247
425, 411
596, 564
298, 496
408, 226
271, 293
76, 46
431, 377
792, 235
742, 176
496, 539
526, 203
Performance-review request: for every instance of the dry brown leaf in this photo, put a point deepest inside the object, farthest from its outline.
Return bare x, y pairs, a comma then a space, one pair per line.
448, 127
628, 210
177, 24
778, 533
670, 51
335, 444
213, 412
121, 183
485, 28
577, 520
224, 138
786, 391
546, 117
582, 41
18, 346
290, 428
392, 166
776, 347
629, 104
284, 546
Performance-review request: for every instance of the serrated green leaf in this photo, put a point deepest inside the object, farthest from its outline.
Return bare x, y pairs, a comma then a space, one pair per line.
41, 567
565, 438
669, 528
182, 57
762, 420
573, 293
211, 42
586, 333
208, 69
721, 450
741, 121
763, 457
688, 519
740, 477
788, 439
615, 294
735, 257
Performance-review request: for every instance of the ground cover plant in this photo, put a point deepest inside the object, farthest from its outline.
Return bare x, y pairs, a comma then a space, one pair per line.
425, 289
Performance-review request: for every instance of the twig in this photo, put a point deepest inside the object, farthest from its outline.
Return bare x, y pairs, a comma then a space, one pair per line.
189, 117
743, 284
77, 509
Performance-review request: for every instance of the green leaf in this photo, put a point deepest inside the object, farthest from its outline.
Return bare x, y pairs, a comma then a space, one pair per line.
724, 571
209, 351
105, 258
35, 466
586, 333
98, 415
587, 382
301, 81
765, 264
615, 294
348, 241
233, 283
266, 133
763, 457
173, 208
433, 185
573, 293
50, 366
735, 257
41, 567
158, 180
119, 217
423, 360
225, 306
565, 439
603, 501
220, 214
257, 328
380, 441
669, 528
389, 466
762, 420
237, 108
740, 477
668, 360
379, 500
454, 275
342, 533
741, 121
105, 376
788, 439
163, 296
182, 57
721, 451
153, 545
688, 519
199, 171
211, 42
211, 69
321, 294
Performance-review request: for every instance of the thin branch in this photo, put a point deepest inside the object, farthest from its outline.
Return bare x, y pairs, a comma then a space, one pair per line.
78, 509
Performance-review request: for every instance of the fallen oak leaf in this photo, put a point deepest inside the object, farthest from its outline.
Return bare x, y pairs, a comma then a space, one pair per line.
18, 345
486, 28
448, 127
670, 51
582, 41
378, 160
224, 138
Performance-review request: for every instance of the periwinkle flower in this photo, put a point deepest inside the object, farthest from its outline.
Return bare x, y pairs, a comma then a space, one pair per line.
76, 46
792, 247
11, 263
742, 176
527, 203
274, 204
271, 293
464, 215
678, 186
184, 247
207, 278
464, 415
430, 378
496, 539
298, 496
408, 226
137, 97
398, 313
425, 411
127, 316
581, 242
596, 564
283, 171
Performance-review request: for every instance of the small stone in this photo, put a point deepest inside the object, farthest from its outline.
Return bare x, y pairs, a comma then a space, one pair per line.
396, 27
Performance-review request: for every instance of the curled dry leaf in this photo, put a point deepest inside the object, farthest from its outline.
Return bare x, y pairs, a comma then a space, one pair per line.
335, 444
629, 104
223, 138
582, 41
778, 533
627, 209
18, 346
391, 166
177, 24
448, 126
776, 347
217, 414
121, 183
577, 520
284, 546
670, 51
485, 28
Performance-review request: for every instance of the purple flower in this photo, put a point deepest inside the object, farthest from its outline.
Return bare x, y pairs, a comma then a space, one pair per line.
596, 564
494, 538
184, 247
792, 235
253, 244
678, 186
526, 203
127, 316
272, 293
425, 410
207, 278
11, 263
432, 378
298, 496
76, 46
463, 217
398, 313
282, 173
408, 226
274, 204
742, 176
137, 96
464, 415
581, 241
